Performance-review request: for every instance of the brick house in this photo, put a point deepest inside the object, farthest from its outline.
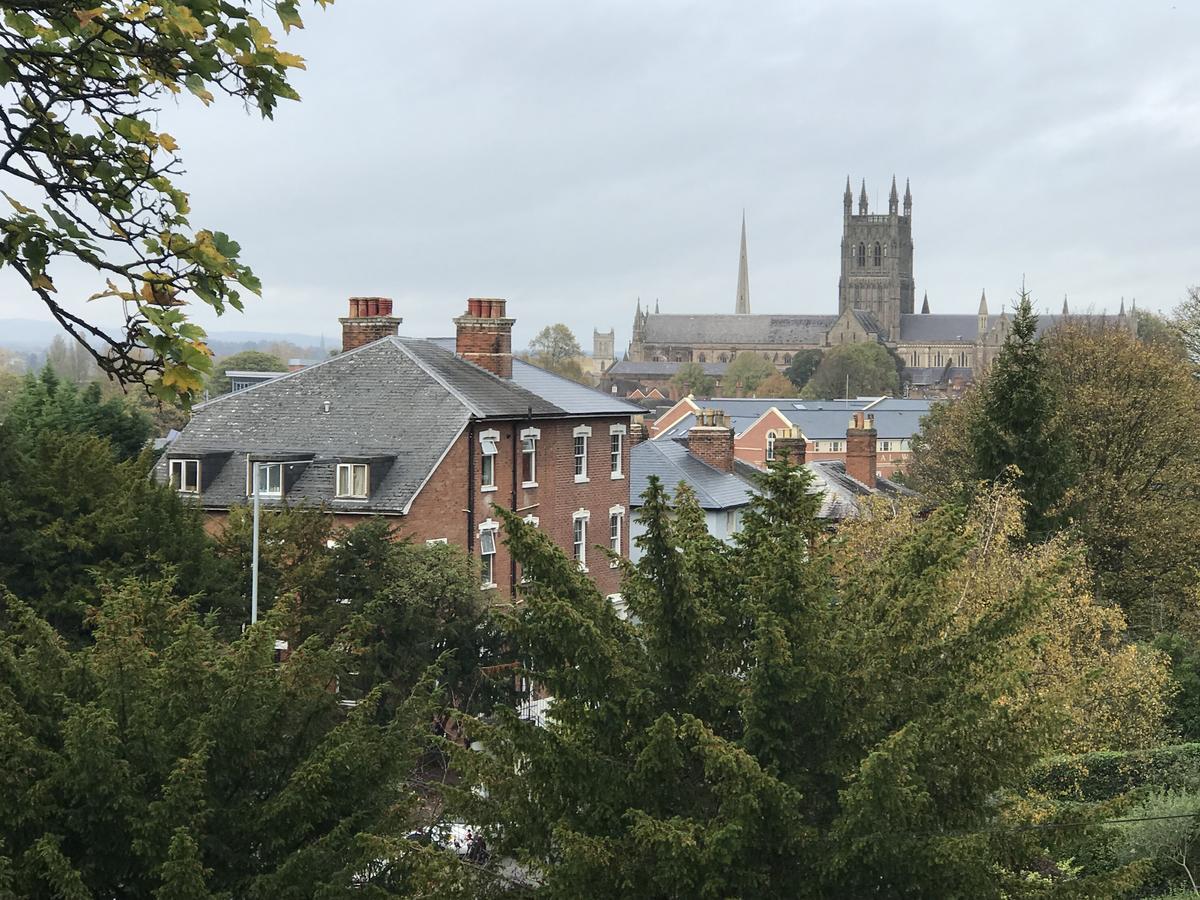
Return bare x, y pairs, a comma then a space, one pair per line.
758, 423
429, 436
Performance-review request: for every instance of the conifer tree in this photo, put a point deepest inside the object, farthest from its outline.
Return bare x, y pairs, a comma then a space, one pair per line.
1016, 431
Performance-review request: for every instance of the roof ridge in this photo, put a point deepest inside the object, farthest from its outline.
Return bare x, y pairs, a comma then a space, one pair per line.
398, 342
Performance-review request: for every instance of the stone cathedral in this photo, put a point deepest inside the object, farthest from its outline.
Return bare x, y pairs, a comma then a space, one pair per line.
876, 302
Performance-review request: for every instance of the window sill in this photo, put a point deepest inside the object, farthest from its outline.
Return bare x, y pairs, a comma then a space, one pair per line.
583, 568
490, 586
488, 490
617, 476
581, 479
352, 499
615, 564
529, 484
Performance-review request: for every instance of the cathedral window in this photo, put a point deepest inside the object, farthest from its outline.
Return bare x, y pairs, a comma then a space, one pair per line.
702, 359
862, 254
878, 253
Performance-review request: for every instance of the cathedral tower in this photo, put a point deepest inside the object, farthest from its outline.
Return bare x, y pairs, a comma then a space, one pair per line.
877, 260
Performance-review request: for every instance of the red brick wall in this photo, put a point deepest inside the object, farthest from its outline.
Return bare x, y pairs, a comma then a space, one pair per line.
713, 445
751, 445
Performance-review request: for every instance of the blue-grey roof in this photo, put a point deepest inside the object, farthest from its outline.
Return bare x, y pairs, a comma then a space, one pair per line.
737, 329
953, 328
819, 420
672, 464
569, 395
397, 403
659, 369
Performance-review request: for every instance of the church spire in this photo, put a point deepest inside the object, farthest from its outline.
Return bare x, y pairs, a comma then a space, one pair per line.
893, 199
743, 285
848, 197
907, 198
925, 305
862, 199
1066, 311
983, 303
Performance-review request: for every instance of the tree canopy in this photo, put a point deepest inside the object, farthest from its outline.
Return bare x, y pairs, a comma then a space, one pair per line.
93, 176
689, 378
745, 373
798, 716
555, 348
802, 367
867, 369
245, 361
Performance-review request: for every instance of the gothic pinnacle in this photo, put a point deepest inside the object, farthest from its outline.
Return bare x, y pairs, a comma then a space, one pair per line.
983, 310
742, 304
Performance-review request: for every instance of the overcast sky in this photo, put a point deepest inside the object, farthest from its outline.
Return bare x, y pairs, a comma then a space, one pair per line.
573, 157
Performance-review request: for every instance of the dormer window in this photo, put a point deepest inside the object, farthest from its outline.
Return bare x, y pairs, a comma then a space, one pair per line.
352, 481
185, 475
269, 478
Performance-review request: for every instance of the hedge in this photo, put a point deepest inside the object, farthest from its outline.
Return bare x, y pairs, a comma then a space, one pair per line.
1093, 777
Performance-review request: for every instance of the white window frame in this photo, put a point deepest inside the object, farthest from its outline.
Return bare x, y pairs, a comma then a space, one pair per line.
581, 460
529, 449
491, 528
579, 530
180, 482
489, 450
616, 516
433, 542
616, 451
348, 469
771, 445
263, 466
835, 446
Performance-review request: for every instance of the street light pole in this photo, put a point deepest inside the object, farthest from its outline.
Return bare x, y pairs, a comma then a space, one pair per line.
254, 551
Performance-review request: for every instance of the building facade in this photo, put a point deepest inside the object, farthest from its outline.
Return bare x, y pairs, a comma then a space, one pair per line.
430, 436
876, 302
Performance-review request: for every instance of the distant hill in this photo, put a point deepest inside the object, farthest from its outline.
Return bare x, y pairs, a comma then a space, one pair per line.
28, 335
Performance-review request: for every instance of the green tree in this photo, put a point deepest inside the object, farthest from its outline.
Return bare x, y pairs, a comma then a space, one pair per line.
96, 175
745, 373
1186, 320
690, 378
775, 718
555, 349
1160, 333
246, 361
865, 369
1168, 832
163, 762
1016, 433
802, 367
776, 385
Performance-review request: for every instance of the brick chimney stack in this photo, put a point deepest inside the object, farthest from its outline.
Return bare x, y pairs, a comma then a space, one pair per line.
711, 439
370, 319
485, 335
860, 448
791, 441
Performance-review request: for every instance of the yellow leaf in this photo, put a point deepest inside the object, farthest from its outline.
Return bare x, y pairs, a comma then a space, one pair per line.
290, 60
42, 282
86, 15
19, 207
167, 142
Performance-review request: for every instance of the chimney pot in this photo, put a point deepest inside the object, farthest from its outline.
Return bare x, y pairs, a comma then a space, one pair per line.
861, 449
369, 320
711, 439
484, 336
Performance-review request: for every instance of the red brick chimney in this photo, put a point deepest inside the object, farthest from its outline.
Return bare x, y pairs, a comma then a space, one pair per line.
792, 441
485, 335
860, 448
370, 319
711, 439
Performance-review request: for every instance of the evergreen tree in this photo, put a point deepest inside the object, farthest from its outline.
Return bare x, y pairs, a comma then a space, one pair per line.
1016, 432
162, 762
785, 717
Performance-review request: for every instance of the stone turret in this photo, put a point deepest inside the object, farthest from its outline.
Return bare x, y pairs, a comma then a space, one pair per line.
848, 198
893, 200
862, 199
907, 198
983, 314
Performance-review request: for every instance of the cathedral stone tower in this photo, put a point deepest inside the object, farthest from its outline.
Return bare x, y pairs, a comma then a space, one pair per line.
877, 260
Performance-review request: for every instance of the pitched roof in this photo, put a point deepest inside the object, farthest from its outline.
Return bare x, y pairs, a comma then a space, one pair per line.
399, 402
671, 463
657, 369
819, 420
953, 328
736, 329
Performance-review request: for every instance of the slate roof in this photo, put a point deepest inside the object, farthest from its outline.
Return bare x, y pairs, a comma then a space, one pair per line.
937, 374
657, 368
736, 329
819, 420
672, 464
398, 403
951, 328
842, 493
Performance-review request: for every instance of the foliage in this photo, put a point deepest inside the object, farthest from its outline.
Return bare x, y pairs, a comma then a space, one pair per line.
555, 349
1161, 333
246, 361
776, 385
163, 762
745, 373
72, 362
1168, 832
1105, 774
84, 90
1184, 652
868, 369
1186, 320
689, 378
47, 403
802, 367
406, 606
789, 715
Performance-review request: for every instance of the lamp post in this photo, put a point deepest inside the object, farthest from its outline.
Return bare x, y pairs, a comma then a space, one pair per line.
254, 551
